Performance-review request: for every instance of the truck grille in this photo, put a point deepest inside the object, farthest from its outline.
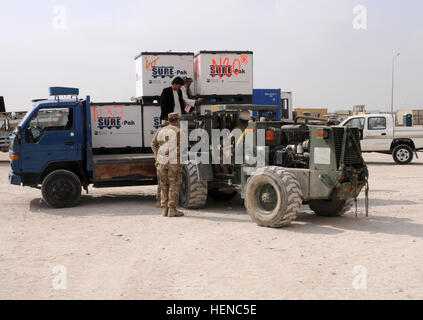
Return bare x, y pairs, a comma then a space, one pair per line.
352, 156
4, 141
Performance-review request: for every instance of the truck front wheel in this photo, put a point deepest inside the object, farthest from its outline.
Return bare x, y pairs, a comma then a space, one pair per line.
331, 208
402, 154
273, 197
61, 189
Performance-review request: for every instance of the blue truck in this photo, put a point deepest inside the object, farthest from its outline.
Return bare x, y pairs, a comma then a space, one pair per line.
57, 149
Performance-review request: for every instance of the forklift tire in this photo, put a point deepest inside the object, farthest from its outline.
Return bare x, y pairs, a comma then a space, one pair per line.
61, 189
216, 195
403, 154
193, 193
273, 197
331, 208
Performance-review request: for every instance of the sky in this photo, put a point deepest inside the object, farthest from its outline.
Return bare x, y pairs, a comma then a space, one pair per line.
310, 47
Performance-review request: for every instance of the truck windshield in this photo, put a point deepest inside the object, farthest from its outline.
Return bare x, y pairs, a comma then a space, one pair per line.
355, 123
48, 120
27, 115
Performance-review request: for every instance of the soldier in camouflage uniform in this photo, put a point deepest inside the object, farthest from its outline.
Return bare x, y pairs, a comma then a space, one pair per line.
227, 150
166, 148
158, 195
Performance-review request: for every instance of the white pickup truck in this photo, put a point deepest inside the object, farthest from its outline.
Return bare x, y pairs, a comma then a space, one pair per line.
379, 134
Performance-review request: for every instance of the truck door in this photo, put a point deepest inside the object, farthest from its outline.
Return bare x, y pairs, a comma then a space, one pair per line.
377, 136
52, 135
359, 124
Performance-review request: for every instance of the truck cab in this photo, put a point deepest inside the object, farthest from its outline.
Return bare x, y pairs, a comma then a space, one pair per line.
379, 134
57, 149
51, 134
377, 131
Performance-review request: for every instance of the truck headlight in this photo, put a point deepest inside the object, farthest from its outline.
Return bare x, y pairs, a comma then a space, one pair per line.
14, 156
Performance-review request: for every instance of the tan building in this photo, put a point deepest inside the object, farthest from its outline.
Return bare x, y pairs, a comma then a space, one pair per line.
417, 116
311, 112
359, 109
343, 114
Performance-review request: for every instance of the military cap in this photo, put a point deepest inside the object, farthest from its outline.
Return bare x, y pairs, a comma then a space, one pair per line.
173, 116
245, 115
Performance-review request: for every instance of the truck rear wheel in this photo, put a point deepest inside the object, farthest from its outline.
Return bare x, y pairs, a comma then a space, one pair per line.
331, 208
273, 197
193, 193
61, 189
402, 154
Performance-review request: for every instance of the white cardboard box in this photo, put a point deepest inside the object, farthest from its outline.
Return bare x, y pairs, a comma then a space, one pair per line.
223, 73
156, 71
151, 123
116, 126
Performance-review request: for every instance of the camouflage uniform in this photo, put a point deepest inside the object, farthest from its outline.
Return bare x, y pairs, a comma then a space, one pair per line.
155, 146
227, 150
169, 167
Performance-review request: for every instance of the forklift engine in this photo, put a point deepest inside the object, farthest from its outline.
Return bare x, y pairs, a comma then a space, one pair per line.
295, 152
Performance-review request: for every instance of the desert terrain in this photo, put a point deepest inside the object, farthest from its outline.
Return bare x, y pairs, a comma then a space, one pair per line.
116, 245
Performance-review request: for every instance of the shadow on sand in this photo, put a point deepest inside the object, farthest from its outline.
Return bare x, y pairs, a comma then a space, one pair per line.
378, 163
373, 224
234, 211
105, 205
4, 163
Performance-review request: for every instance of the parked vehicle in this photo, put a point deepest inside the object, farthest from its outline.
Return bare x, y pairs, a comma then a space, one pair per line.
62, 146
8, 122
319, 165
379, 134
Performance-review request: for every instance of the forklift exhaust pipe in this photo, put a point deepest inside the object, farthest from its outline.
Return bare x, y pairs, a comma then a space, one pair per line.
2, 105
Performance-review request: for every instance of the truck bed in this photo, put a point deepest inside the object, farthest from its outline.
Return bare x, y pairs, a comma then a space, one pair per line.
123, 158
409, 132
124, 167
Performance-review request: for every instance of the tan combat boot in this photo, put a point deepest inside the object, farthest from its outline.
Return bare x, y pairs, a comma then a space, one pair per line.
175, 213
165, 211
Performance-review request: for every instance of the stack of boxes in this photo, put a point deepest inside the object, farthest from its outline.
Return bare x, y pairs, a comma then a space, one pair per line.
154, 72
220, 77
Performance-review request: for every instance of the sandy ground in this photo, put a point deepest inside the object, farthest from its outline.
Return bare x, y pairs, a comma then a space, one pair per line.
116, 245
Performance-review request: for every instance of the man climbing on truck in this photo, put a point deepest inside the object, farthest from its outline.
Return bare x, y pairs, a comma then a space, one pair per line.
172, 100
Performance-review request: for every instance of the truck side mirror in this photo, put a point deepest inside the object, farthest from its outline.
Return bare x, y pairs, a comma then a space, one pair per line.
19, 133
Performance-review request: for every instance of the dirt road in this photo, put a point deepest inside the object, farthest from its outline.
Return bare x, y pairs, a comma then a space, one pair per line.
116, 245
